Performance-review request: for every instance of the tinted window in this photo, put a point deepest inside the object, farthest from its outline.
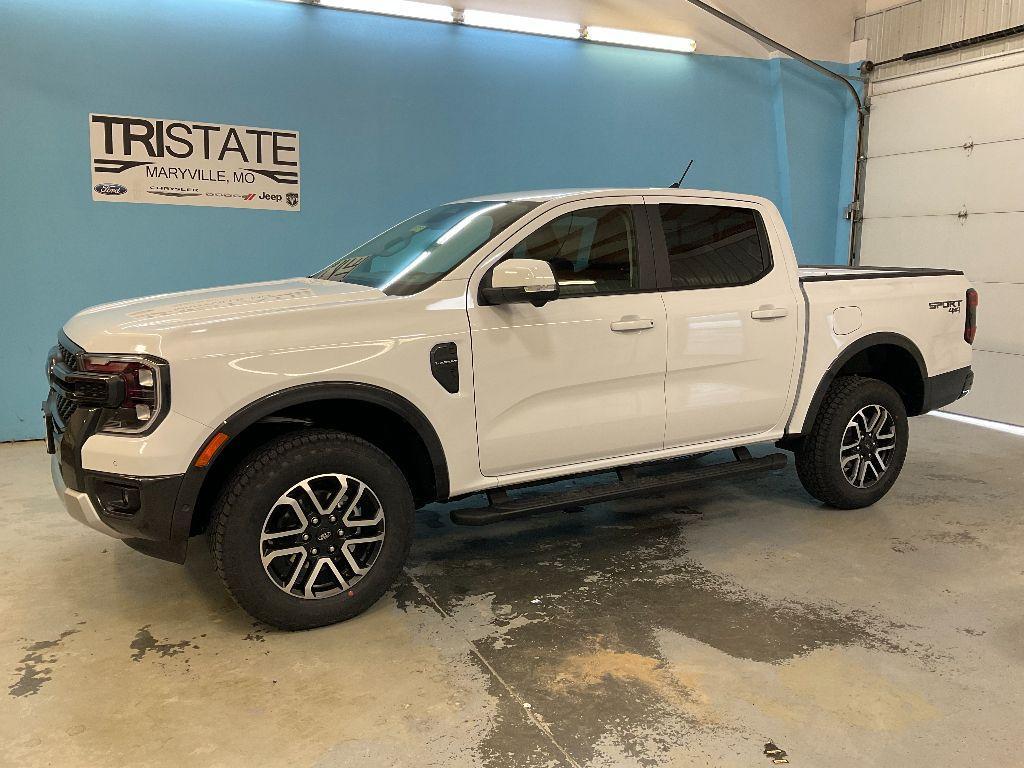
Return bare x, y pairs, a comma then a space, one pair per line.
713, 246
591, 251
420, 251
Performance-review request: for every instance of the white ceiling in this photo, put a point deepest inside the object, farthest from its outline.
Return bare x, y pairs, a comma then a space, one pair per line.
821, 29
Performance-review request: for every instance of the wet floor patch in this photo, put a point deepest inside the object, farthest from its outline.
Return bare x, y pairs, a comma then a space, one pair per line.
145, 644
568, 611
36, 666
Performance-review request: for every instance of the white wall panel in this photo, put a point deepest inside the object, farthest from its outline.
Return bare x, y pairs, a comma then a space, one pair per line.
893, 31
1014, 18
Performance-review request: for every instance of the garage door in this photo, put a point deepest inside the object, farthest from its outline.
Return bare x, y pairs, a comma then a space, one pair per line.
944, 187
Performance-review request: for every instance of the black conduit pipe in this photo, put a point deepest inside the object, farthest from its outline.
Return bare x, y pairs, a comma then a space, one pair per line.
862, 109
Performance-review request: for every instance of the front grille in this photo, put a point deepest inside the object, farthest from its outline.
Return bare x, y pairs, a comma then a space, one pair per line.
68, 357
65, 407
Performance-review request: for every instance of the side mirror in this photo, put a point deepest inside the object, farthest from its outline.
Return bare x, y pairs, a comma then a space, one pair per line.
517, 281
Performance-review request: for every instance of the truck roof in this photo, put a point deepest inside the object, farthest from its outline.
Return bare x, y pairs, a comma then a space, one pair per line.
547, 195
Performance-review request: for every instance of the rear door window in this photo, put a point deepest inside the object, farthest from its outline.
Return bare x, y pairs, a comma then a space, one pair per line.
714, 246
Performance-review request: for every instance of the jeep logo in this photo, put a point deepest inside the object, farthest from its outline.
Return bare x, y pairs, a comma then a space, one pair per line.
275, 198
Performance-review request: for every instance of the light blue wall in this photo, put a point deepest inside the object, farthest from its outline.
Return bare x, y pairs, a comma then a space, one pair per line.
395, 116
813, 189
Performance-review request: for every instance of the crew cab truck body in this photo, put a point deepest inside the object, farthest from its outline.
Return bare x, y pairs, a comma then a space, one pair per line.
486, 345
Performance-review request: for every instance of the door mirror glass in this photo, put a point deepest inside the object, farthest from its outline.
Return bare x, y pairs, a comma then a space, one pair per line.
517, 281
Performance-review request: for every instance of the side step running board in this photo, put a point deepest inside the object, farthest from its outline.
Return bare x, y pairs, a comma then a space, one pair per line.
503, 507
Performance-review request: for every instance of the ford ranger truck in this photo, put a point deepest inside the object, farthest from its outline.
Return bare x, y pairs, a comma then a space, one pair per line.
486, 346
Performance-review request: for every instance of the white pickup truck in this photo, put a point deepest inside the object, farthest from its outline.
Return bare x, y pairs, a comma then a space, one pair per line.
488, 345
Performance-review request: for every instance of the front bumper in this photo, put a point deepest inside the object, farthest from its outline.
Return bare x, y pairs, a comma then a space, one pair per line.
138, 510
141, 511
78, 504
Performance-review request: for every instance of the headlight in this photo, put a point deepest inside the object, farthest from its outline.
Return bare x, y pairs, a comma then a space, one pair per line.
146, 391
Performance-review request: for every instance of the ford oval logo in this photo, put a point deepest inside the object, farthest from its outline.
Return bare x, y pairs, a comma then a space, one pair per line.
111, 189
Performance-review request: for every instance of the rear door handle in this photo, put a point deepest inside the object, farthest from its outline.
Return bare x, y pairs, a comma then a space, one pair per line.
632, 323
769, 313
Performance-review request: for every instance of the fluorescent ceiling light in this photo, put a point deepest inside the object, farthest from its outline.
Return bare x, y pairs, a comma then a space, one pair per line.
640, 39
510, 22
998, 426
527, 24
408, 8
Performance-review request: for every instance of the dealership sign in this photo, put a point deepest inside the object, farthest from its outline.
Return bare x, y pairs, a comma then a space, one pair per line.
183, 162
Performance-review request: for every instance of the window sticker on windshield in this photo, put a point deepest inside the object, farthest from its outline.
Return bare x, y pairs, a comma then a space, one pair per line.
417, 229
346, 266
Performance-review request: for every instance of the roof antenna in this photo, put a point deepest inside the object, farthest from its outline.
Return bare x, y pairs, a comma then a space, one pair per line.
680, 182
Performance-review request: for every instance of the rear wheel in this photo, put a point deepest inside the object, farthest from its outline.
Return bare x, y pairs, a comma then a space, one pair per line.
856, 448
312, 529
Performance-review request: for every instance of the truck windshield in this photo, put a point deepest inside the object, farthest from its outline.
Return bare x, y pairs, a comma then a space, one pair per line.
420, 251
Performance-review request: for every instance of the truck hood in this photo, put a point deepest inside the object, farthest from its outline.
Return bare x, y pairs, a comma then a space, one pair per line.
140, 325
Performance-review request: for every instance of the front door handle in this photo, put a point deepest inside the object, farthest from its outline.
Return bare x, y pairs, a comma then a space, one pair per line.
632, 323
769, 313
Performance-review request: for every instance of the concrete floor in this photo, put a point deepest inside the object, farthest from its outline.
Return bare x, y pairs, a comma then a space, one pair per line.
628, 634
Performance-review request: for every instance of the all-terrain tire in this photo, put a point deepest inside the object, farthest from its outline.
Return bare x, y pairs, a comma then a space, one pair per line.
818, 458
255, 490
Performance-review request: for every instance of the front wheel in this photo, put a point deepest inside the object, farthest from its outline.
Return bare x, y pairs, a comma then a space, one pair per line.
312, 529
856, 448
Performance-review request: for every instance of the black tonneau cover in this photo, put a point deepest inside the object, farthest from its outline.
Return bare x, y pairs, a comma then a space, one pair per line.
822, 272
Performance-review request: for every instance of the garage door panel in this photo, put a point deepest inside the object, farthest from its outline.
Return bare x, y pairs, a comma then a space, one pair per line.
945, 181
994, 177
986, 247
996, 394
922, 184
930, 241
982, 245
999, 318
948, 114
919, 178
